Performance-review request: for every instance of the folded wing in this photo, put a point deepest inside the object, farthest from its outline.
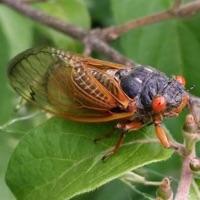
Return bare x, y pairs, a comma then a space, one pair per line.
68, 85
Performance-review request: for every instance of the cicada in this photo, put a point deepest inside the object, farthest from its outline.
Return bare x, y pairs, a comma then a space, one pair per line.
85, 89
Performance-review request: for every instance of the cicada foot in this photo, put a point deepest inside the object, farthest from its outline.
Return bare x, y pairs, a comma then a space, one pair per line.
108, 155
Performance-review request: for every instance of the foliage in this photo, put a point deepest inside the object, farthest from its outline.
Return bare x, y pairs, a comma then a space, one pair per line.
58, 159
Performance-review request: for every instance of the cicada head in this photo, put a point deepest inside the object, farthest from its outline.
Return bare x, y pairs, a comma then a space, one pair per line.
176, 96
153, 91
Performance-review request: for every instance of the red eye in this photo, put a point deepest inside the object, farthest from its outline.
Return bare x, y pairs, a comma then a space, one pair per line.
180, 79
159, 104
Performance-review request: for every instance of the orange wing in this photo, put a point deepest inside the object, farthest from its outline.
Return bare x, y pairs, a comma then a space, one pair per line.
102, 64
69, 85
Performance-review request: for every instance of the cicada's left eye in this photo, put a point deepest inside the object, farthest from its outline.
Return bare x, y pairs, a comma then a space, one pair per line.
159, 104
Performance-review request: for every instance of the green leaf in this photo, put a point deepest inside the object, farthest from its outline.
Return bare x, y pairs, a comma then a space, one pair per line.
18, 30
115, 190
59, 159
6, 147
16, 35
6, 97
100, 12
71, 11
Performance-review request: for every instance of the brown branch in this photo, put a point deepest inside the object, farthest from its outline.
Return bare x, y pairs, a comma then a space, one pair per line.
191, 136
185, 180
94, 42
188, 9
34, 1
39, 16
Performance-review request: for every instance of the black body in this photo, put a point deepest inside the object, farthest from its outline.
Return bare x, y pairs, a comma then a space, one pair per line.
144, 83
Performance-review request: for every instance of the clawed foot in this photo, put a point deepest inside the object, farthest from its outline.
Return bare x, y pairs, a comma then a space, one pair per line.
108, 154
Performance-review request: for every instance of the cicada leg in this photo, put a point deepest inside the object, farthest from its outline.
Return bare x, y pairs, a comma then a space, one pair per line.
135, 125
160, 132
131, 126
116, 147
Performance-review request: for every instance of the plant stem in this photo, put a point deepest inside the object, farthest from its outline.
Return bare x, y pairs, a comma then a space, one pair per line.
94, 41
136, 178
37, 15
191, 137
185, 180
188, 9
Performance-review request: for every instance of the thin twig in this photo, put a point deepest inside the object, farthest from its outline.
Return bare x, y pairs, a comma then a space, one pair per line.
37, 15
188, 9
97, 41
85, 36
185, 180
13, 121
34, 1
178, 148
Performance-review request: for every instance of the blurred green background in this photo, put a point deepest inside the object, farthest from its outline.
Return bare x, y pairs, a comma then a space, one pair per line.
172, 46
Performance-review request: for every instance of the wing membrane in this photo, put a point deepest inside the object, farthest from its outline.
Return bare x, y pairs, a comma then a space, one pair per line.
65, 85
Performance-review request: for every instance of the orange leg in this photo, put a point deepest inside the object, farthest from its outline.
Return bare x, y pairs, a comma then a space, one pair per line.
135, 125
132, 126
160, 132
116, 147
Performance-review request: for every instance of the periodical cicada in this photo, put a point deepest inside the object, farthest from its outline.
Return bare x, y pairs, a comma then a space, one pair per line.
89, 90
